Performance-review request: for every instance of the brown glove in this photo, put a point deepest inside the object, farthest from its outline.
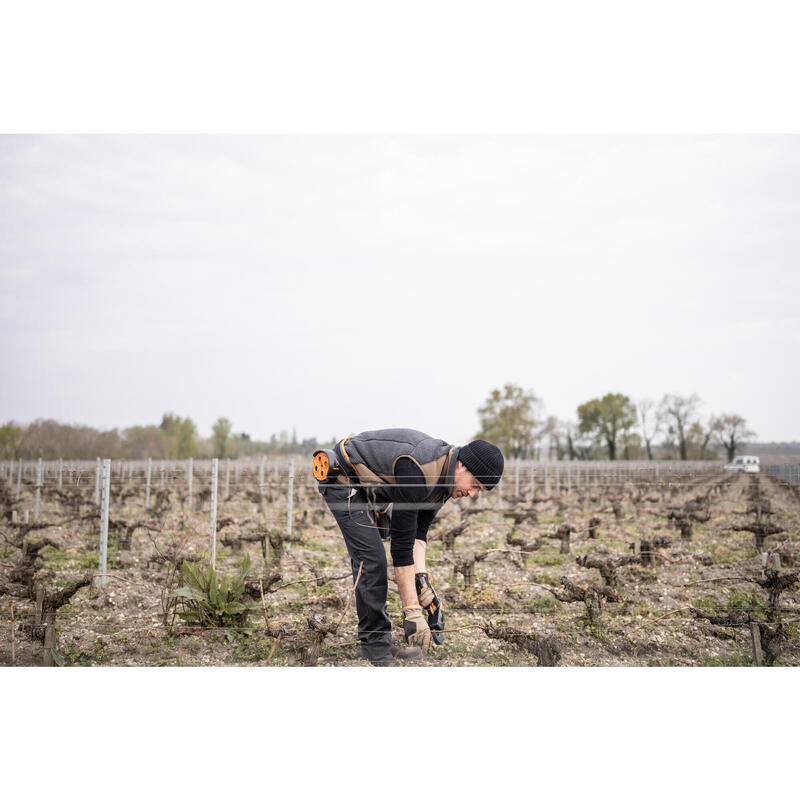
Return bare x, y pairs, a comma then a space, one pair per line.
431, 605
416, 628
425, 593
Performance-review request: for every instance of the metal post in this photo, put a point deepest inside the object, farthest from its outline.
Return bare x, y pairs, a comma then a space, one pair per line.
533, 483
60, 474
755, 639
49, 644
147, 484
161, 476
558, 479
261, 477
546, 481
97, 474
38, 489
500, 492
227, 478
19, 478
190, 481
104, 522
289, 504
213, 531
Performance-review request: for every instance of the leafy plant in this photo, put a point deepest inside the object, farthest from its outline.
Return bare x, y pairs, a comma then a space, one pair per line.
210, 600
250, 647
738, 600
545, 605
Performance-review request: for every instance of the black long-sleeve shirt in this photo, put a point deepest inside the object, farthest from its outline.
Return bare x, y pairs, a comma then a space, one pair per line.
411, 516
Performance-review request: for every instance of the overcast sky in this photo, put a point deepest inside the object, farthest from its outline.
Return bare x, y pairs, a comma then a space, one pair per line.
340, 283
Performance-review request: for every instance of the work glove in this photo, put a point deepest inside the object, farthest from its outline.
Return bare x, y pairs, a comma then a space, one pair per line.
415, 628
429, 600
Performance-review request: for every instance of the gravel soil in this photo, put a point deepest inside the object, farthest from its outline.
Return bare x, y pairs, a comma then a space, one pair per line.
517, 584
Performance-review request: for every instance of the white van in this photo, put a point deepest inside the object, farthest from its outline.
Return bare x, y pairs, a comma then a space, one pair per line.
744, 464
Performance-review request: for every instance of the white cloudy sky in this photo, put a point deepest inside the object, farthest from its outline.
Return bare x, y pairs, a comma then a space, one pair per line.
339, 283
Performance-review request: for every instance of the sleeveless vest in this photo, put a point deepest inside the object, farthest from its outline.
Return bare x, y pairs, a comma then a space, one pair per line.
370, 458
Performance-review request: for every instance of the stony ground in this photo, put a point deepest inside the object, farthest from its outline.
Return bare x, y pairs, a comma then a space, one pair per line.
519, 604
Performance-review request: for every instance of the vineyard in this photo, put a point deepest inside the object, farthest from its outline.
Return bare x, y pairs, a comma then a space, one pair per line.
639, 563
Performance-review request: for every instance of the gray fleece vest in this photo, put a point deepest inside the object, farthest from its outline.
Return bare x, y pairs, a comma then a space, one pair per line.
373, 455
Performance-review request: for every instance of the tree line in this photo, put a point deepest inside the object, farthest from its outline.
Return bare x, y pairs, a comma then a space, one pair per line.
175, 437
610, 427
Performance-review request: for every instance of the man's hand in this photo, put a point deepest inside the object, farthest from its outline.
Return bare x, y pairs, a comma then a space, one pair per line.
415, 628
429, 600
425, 593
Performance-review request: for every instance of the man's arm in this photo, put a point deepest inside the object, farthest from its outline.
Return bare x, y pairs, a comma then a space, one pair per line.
410, 493
405, 585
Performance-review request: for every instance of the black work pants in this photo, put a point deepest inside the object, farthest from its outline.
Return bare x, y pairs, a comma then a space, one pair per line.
365, 547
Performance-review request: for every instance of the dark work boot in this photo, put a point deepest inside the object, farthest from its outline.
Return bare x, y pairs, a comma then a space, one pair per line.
392, 656
378, 655
405, 652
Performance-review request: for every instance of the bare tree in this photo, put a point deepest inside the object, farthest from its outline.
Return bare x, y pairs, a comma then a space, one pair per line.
579, 446
680, 413
221, 432
650, 422
730, 430
606, 418
698, 438
551, 432
509, 418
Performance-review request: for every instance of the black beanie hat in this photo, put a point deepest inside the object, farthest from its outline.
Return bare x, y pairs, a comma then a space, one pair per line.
484, 460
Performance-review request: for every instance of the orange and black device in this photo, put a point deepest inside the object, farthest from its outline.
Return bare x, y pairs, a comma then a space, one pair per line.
326, 466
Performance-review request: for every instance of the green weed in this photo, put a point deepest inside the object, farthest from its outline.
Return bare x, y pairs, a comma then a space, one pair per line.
210, 600
78, 657
546, 560
734, 660
547, 604
737, 600
66, 559
250, 646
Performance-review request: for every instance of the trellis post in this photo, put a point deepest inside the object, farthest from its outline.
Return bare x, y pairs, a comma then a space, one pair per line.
102, 567
97, 474
289, 504
213, 530
147, 483
190, 481
38, 489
